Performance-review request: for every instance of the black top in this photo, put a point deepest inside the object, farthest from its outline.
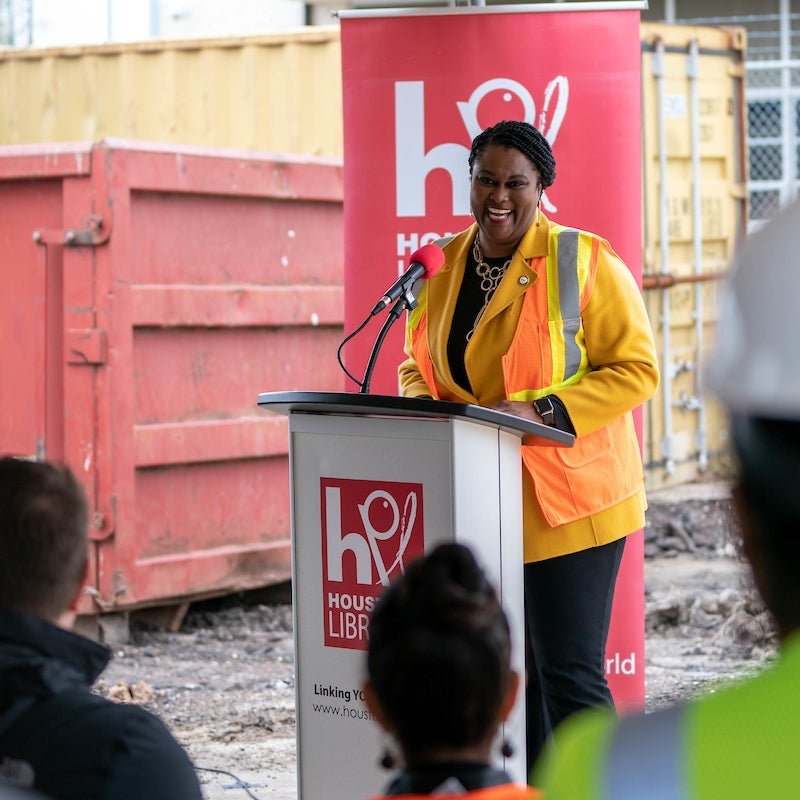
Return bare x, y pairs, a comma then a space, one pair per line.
471, 297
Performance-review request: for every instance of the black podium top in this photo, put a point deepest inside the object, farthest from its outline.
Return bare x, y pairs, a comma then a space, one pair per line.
392, 406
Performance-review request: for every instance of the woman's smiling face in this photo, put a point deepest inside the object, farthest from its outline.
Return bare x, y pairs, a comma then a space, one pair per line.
504, 192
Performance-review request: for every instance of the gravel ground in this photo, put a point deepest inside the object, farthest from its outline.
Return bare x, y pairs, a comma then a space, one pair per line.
224, 682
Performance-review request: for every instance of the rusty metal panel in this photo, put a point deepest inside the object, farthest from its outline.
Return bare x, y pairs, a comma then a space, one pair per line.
32, 333
157, 291
278, 92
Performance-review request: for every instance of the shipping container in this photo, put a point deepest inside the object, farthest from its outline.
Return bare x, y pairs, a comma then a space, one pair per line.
149, 294
275, 92
695, 213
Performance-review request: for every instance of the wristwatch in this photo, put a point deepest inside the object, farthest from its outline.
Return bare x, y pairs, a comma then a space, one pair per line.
546, 410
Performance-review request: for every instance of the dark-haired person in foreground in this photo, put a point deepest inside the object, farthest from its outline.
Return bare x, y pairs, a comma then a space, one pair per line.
56, 736
439, 679
545, 322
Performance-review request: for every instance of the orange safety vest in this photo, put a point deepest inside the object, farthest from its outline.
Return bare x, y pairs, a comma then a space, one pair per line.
548, 352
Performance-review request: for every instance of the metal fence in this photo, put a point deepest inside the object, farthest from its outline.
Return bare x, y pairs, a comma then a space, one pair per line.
16, 22
773, 102
773, 92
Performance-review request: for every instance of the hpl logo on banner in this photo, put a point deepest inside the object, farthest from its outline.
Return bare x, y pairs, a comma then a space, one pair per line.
413, 163
371, 530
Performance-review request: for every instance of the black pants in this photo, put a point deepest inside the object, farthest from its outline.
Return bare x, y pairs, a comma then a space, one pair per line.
568, 611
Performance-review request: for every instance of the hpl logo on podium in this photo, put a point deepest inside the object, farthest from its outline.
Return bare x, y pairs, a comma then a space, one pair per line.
370, 531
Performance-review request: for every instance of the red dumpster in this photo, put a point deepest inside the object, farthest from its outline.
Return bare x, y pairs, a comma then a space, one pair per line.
149, 294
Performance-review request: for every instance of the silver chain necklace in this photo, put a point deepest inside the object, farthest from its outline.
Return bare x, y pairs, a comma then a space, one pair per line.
490, 278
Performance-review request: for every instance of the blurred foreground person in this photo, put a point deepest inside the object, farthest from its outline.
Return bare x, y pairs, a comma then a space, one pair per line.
440, 680
740, 742
56, 736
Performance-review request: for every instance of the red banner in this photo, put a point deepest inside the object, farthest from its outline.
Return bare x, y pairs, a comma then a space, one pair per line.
418, 87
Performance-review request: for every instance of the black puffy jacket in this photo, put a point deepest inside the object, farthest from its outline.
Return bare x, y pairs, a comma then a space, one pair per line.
59, 737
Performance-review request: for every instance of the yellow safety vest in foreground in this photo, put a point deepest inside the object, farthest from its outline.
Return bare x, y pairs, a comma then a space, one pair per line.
740, 742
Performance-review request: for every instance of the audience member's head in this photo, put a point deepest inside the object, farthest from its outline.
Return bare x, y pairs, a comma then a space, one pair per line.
755, 371
769, 510
439, 675
43, 537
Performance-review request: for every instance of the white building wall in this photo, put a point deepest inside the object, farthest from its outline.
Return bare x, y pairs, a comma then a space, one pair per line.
78, 22
179, 19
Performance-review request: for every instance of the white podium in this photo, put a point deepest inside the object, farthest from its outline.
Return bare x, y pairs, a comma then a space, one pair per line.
376, 481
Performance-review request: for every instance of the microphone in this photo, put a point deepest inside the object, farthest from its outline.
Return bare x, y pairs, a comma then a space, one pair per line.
424, 263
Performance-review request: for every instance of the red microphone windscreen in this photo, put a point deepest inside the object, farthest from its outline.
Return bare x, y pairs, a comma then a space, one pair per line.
431, 257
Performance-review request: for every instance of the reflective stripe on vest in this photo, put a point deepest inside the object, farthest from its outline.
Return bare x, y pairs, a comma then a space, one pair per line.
569, 294
567, 270
645, 758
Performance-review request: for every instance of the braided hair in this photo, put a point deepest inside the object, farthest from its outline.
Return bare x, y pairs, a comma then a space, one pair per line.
525, 138
439, 653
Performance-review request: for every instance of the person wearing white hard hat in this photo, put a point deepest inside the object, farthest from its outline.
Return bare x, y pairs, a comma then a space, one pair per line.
740, 742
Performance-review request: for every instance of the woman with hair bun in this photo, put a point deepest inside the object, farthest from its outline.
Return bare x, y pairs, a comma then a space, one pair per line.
545, 322
439, 679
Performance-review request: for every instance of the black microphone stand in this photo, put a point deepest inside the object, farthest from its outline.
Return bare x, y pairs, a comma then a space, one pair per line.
405, 301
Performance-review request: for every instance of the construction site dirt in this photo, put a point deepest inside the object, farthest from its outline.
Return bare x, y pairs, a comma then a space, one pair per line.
224, 682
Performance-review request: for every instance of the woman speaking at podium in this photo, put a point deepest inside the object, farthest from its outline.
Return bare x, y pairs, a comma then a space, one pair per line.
545, 322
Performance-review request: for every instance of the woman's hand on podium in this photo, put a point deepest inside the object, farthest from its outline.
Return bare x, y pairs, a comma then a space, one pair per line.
519, 408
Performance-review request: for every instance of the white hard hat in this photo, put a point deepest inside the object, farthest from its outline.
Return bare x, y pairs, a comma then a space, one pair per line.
754, 369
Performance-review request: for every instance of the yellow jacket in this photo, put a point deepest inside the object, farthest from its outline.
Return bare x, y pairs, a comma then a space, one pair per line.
618, 343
